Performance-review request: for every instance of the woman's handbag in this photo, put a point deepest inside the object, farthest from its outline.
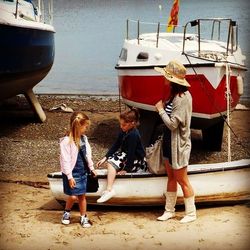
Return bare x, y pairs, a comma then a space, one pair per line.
92, 183
154, 157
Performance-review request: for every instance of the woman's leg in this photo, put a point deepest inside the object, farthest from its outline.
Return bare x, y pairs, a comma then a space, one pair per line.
182, 178
171, 195
190, 209
171, 183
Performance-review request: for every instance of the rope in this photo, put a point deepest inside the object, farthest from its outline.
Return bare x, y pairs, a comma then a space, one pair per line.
209, 97
119, 90
228, 112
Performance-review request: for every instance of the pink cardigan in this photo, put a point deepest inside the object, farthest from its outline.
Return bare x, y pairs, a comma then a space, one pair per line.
69, 153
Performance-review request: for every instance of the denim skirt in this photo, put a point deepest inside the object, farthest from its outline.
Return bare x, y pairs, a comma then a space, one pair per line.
79, 174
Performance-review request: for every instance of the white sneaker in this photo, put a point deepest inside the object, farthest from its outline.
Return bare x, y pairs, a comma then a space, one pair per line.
66, 218
106, 195
85, 222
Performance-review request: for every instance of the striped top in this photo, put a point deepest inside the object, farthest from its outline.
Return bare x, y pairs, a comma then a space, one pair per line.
168, 107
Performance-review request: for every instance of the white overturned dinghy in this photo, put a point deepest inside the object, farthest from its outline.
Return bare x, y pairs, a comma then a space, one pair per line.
215, 182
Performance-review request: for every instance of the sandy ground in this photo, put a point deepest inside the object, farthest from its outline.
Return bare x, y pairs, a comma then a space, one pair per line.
30, 217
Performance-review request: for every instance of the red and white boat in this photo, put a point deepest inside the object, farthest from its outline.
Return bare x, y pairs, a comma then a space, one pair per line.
215, 71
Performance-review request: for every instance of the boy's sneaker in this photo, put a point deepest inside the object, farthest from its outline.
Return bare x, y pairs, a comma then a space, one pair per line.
85, 222
106, 195
66, 218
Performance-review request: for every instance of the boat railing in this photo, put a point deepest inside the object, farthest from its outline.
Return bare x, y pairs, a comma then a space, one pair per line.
156, 28
229, 34
41, 12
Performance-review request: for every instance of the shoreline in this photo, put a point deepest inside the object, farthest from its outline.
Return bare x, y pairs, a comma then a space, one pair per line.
245, 101
81, 96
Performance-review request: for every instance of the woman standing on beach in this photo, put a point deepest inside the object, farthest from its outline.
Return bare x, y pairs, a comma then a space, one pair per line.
176, 115
127, 154
75, 158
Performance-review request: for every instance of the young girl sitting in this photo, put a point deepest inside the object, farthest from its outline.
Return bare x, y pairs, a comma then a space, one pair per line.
75, 158
127, 153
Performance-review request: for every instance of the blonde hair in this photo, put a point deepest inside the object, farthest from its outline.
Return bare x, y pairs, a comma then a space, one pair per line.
77, 120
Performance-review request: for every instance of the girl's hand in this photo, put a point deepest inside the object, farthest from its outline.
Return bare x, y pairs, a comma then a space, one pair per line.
72, 183
99, 163
159, 105
122, 172
94, 172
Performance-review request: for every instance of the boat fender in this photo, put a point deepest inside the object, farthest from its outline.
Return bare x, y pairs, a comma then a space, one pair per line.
240, 84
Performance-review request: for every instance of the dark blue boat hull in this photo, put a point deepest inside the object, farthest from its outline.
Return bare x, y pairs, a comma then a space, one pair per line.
26, 57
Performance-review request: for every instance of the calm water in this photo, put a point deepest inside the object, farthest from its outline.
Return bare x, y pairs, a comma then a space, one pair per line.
90, 33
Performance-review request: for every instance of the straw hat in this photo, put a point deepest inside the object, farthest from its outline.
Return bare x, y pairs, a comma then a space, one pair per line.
174, 72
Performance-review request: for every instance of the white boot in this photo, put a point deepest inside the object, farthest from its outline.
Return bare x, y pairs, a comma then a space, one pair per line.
190, 210
169, 213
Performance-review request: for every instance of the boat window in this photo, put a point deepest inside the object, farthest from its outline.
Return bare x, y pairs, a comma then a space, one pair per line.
142, 56
123, 54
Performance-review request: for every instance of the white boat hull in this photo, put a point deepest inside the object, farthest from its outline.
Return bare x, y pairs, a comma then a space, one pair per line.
219, 182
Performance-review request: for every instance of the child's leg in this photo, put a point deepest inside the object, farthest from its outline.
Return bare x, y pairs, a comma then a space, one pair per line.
111, 176
82, 204
66, 215
69, 203
84, 220
109, 192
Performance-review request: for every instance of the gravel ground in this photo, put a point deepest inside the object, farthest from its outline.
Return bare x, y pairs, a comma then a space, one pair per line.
29, 150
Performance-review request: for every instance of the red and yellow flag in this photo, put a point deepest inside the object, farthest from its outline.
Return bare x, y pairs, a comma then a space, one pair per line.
173, 18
